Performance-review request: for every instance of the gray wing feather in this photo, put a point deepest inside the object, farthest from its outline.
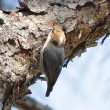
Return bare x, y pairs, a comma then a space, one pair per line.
53, 59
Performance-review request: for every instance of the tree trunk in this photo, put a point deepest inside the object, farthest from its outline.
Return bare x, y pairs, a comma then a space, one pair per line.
23, 33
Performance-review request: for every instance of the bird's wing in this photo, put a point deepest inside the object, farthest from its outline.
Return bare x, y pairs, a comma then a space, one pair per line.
52, 61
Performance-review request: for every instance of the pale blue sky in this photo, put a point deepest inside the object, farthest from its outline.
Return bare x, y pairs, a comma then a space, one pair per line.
9, 4
84, 85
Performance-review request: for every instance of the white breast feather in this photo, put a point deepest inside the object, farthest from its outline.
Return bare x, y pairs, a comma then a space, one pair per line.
42, 50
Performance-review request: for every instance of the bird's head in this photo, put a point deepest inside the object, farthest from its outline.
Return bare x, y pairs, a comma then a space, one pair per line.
58, 36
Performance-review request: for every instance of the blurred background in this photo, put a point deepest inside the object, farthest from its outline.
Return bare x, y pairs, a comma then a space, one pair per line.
83, 85
9, 4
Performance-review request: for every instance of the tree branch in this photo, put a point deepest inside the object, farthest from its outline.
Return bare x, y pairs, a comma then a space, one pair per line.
23, 33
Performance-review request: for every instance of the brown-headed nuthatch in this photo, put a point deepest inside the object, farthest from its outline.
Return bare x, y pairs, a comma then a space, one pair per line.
52, 56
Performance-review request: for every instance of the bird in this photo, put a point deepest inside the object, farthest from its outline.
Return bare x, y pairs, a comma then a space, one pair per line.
52, 56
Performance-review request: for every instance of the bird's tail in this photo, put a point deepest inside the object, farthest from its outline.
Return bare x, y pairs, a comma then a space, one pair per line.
49, 89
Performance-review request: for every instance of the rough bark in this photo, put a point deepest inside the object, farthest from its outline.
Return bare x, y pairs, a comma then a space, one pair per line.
23, 33
28, 103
